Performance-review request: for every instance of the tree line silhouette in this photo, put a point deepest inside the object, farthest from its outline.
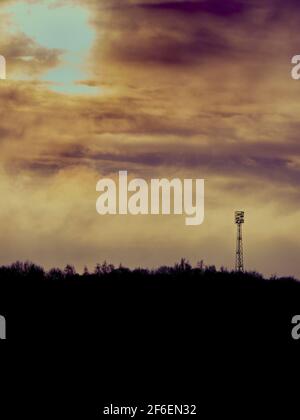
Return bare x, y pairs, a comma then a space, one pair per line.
145, 334
163, 302
32, 271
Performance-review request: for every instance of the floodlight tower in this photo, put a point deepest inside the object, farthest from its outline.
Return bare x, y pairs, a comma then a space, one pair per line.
239, 258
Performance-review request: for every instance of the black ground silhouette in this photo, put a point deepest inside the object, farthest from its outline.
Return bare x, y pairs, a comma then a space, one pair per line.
168, 301
134, 335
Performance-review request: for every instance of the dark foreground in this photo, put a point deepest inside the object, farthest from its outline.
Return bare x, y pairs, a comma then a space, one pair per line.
219, 339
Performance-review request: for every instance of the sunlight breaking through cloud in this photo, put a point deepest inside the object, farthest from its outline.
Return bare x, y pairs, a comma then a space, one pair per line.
58, 26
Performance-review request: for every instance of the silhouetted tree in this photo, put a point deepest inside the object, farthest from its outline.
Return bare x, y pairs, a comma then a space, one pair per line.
210, 269
69, 270
200, 265
97, 270
107, 268
183, 266
86, 271
164, 269
122, 270
55, 274
104, 268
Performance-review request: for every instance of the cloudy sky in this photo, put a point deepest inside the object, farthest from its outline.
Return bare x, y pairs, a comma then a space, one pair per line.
159, 88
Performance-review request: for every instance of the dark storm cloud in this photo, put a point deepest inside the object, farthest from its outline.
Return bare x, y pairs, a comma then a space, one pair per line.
215, 7
249, 161
152, 33
170, 33
168, 49
44, 168
180, 157
223, 8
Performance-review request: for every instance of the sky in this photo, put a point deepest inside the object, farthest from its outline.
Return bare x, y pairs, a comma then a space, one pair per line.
162, 89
